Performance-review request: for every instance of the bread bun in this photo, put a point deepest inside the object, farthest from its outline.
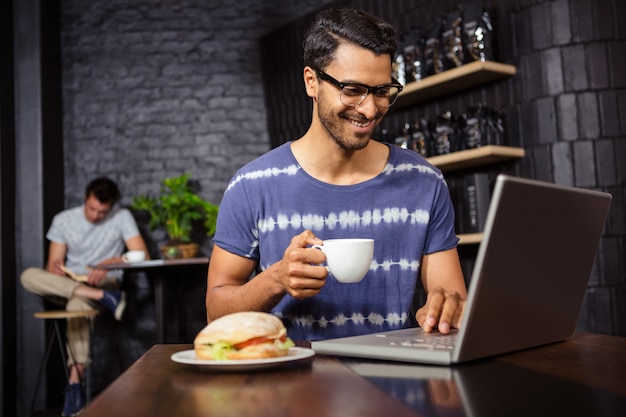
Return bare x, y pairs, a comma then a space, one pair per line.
237, 328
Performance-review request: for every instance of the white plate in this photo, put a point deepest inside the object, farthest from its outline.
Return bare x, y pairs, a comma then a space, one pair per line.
188, 357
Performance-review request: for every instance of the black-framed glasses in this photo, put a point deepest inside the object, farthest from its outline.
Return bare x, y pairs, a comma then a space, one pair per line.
353, 94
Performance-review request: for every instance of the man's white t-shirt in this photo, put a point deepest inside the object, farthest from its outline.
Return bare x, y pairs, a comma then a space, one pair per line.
90, 243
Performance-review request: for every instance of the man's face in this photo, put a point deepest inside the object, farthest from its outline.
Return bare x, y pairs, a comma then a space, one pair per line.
352, 127
95, 210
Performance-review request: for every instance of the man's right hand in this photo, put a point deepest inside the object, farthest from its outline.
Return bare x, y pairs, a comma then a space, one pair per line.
300, 271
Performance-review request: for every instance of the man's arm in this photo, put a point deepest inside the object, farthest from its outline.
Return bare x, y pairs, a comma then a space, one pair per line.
298, 274
443, 281
132, 243
56, 258
137, 243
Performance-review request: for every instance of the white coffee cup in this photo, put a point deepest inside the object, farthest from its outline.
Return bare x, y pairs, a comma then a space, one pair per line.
348, 260
133, 256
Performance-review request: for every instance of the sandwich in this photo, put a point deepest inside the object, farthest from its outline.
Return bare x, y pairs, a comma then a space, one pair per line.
243, 335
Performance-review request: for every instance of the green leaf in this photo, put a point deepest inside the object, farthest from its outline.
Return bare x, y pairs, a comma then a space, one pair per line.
219, 350
288, 343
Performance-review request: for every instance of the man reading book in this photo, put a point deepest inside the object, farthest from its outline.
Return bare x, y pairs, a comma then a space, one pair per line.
94, 233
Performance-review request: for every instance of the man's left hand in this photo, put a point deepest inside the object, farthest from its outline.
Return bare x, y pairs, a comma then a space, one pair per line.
95, 276
443, 310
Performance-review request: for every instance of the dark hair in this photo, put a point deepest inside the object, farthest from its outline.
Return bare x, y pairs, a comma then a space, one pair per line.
104, 189
331, 27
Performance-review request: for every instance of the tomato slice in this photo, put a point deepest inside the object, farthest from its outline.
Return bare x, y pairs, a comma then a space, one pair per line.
257, 341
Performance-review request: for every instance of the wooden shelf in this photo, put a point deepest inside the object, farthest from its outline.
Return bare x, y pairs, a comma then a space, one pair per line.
470, 238
452, 81
470, 158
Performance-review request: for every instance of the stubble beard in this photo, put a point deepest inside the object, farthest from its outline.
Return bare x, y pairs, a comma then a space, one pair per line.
332, 124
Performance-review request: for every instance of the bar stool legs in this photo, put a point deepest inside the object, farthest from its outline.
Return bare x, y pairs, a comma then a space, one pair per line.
55, 333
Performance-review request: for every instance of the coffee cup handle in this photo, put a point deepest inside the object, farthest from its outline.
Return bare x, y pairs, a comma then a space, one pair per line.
125, 258
320, 247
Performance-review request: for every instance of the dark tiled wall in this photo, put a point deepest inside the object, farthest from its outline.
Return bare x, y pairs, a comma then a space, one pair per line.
565, 106
572, 124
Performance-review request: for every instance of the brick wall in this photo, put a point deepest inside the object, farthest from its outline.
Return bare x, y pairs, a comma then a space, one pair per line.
155, 89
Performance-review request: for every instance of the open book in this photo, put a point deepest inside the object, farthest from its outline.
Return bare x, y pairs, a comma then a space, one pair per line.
73, 275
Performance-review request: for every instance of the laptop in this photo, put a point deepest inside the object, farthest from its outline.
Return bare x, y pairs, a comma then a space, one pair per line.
528, 283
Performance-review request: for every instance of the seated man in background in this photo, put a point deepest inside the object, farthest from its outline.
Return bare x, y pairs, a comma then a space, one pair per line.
94, 233
337, 182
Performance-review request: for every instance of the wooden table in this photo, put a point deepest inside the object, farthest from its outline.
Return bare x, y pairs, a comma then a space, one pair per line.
157, 269
580, 377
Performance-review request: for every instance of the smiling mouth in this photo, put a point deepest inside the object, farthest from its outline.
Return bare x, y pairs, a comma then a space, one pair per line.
361, 124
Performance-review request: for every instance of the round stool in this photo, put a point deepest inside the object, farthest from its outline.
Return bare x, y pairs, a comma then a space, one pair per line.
55, 316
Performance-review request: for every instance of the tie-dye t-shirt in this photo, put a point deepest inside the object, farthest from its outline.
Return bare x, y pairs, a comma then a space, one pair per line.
406, 209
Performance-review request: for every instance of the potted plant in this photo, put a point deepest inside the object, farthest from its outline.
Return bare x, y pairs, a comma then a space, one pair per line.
177, 208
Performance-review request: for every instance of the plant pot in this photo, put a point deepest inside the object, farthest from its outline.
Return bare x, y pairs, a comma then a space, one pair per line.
179, 250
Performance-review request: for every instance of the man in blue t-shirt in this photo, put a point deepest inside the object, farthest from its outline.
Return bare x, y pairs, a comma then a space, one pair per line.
336, 182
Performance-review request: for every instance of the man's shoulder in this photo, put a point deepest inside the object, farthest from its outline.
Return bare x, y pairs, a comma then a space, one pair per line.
69, 219
120, 211
121, 214
406, 160
70, 212
273, 165
402, 155
274, 158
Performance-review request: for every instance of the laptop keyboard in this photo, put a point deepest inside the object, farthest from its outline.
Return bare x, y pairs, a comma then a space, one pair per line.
431, 341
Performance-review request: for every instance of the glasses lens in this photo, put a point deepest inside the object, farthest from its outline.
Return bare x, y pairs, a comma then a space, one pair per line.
354, 94
388, 95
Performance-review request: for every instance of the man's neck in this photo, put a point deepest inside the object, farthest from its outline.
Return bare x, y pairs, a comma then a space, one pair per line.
324, 160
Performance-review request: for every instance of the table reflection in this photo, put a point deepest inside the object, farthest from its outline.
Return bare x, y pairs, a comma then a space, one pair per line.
487, 388
428, 389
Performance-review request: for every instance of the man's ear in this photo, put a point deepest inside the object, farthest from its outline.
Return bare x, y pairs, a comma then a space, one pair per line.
310, 82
